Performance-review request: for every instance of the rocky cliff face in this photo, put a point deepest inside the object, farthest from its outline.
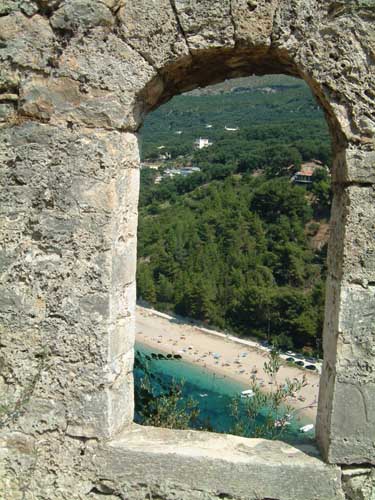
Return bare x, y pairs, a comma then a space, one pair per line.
77, 78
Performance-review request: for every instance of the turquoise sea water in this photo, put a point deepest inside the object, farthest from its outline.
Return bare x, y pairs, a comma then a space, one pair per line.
213, 392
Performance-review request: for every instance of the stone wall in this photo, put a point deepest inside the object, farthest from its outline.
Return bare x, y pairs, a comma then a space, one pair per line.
77, 78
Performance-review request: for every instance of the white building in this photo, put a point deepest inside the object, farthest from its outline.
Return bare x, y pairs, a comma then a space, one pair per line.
202, 143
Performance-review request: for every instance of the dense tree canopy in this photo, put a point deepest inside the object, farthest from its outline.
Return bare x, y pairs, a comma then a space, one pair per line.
229, 245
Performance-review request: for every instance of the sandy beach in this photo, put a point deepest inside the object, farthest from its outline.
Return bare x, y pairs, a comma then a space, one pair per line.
227, 356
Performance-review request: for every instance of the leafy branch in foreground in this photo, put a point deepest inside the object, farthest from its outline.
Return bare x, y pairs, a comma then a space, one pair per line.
267, 414
160, 404
264, 414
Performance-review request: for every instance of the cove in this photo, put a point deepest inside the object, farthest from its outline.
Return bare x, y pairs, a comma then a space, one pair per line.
214, 394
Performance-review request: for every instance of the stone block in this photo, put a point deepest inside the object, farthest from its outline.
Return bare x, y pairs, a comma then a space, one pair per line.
27, 7
7, 112
351, 254
121, 393
122, 336
356, 343
9, 78
337, 68
127, 299
211, 466
253, 21
105, 64
81, 14
26, 42
152, 29
207, 24
60, 99
359, 483
47, 466
346, 422
125, 229
63, 270
49, 5
355, 164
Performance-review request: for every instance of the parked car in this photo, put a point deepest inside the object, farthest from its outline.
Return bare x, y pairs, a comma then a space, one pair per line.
300, 363
290, 360
311, 360
311, 367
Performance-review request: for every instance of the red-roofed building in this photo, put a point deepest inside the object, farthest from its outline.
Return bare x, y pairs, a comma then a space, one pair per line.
304, 176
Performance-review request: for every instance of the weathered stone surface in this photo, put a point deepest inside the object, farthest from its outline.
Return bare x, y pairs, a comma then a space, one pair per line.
77, 222
164, 464
81, 14
346, 405
212, 466
206, 24
103, 63
47, 469
355, 165
339, 69
9, 78
28, 7
26, 42
60, 99
352, 254
48, 6
253, 21
7, 112
359, 483
152, 29
345, 411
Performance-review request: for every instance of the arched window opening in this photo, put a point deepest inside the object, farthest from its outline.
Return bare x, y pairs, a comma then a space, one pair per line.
233, 230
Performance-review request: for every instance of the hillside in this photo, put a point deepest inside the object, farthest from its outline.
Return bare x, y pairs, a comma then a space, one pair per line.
174, 127
237, 244
248, 84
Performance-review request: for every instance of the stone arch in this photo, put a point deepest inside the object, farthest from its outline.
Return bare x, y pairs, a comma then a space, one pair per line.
78, 76
209, 62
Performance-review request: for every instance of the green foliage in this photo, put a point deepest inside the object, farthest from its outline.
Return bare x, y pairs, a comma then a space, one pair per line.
229, 245
321, 189
159, 404
277, 198
276, 128
271, 406
234, 254
264, 415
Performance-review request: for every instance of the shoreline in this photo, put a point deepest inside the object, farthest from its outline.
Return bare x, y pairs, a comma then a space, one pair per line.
222, 354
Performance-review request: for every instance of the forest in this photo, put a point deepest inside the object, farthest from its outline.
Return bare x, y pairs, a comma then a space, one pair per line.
233, 245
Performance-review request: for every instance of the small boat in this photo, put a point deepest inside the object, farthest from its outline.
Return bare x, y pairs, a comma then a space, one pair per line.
249, 393
307, 428
204, 395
